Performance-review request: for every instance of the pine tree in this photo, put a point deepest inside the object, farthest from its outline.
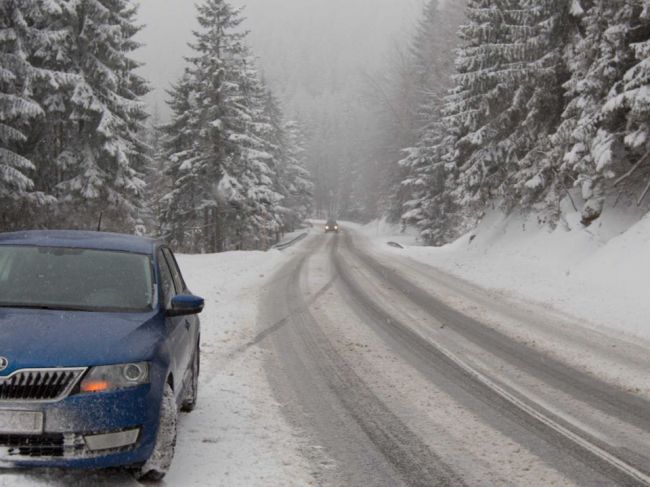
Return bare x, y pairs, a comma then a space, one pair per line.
260, 153
25, 38
201, 150
157, 183
426, 200
538, 102
274, 134
98, 123
591, 137
417, 84
181, 208
550, 95
296, 180
222, 146
507, 96
628, 104
432, 58
477, 105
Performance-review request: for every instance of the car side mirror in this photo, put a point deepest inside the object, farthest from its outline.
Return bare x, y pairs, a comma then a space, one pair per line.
185, 304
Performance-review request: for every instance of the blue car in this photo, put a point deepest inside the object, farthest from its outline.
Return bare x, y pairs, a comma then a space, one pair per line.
99, 350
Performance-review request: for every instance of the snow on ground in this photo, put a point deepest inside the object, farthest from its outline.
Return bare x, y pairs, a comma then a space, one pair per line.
599, 274
237, 435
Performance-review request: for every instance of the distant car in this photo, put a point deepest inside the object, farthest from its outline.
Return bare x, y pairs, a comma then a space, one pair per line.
331, 226
99, 351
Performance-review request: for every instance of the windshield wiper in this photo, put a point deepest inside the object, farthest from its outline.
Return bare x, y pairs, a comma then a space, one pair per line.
44, 306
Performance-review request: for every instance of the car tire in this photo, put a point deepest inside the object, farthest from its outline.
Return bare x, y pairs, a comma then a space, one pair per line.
160, 460
192, 388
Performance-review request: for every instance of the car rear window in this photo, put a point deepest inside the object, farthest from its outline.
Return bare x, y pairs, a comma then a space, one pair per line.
75, 279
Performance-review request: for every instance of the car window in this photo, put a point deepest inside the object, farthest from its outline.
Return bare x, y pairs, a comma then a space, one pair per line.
77, 279
176, 273
166, 280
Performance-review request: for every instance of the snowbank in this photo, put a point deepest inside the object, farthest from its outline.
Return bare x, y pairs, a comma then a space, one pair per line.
600, 274
236, 436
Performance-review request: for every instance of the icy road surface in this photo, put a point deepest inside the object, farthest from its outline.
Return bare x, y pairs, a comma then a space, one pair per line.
401, 375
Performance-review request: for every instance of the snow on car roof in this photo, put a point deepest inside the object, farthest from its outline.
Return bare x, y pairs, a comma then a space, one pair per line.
81, 240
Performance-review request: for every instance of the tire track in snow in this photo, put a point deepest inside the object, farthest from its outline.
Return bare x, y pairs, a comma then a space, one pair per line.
353, 421
575, 442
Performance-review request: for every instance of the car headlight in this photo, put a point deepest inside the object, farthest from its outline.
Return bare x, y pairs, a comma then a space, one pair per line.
108, 378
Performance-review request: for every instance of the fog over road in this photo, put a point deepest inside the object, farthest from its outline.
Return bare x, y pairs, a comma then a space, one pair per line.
392, 385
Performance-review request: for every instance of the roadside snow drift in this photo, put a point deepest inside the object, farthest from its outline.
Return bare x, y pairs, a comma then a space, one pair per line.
599, 274
236, 436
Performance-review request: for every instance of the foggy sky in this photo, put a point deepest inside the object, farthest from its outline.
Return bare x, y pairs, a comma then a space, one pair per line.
306, 48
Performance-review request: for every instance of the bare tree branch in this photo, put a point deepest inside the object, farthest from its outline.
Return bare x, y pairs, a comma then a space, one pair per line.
645, 193
634, 168
386, 99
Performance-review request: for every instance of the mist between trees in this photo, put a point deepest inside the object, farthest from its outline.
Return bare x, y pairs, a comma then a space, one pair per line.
532, 105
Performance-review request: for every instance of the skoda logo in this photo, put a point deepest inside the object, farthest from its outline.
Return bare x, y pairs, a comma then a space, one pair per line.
4, 363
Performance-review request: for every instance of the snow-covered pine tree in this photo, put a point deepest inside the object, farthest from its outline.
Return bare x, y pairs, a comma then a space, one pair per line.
508, 90
260, 152
26, 41
421, 81
430, 185
425, 188
293, 182
220, 145
629, 100
98, 122
185, 208
201, 151
296, 180
422, 78
157, 183
276, 137
476, 108
592, 140
540, 36
432, 58
511, 137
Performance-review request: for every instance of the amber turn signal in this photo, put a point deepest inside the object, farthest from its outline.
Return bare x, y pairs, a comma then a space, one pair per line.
95, 386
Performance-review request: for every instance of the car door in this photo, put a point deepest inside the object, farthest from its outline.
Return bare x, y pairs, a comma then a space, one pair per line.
190, 323
176, 328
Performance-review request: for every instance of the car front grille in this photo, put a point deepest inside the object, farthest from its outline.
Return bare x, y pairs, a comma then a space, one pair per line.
50, 446
39, 384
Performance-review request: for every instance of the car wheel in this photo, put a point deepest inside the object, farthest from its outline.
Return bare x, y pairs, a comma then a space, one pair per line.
192, 388
161, 459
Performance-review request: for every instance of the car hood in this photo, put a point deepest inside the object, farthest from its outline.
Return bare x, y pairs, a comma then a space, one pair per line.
49, 338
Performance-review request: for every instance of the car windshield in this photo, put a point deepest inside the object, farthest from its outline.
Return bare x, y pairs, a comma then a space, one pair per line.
75, 279
331, 223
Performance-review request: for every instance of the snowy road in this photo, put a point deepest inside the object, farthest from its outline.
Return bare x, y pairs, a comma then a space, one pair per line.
392, 385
